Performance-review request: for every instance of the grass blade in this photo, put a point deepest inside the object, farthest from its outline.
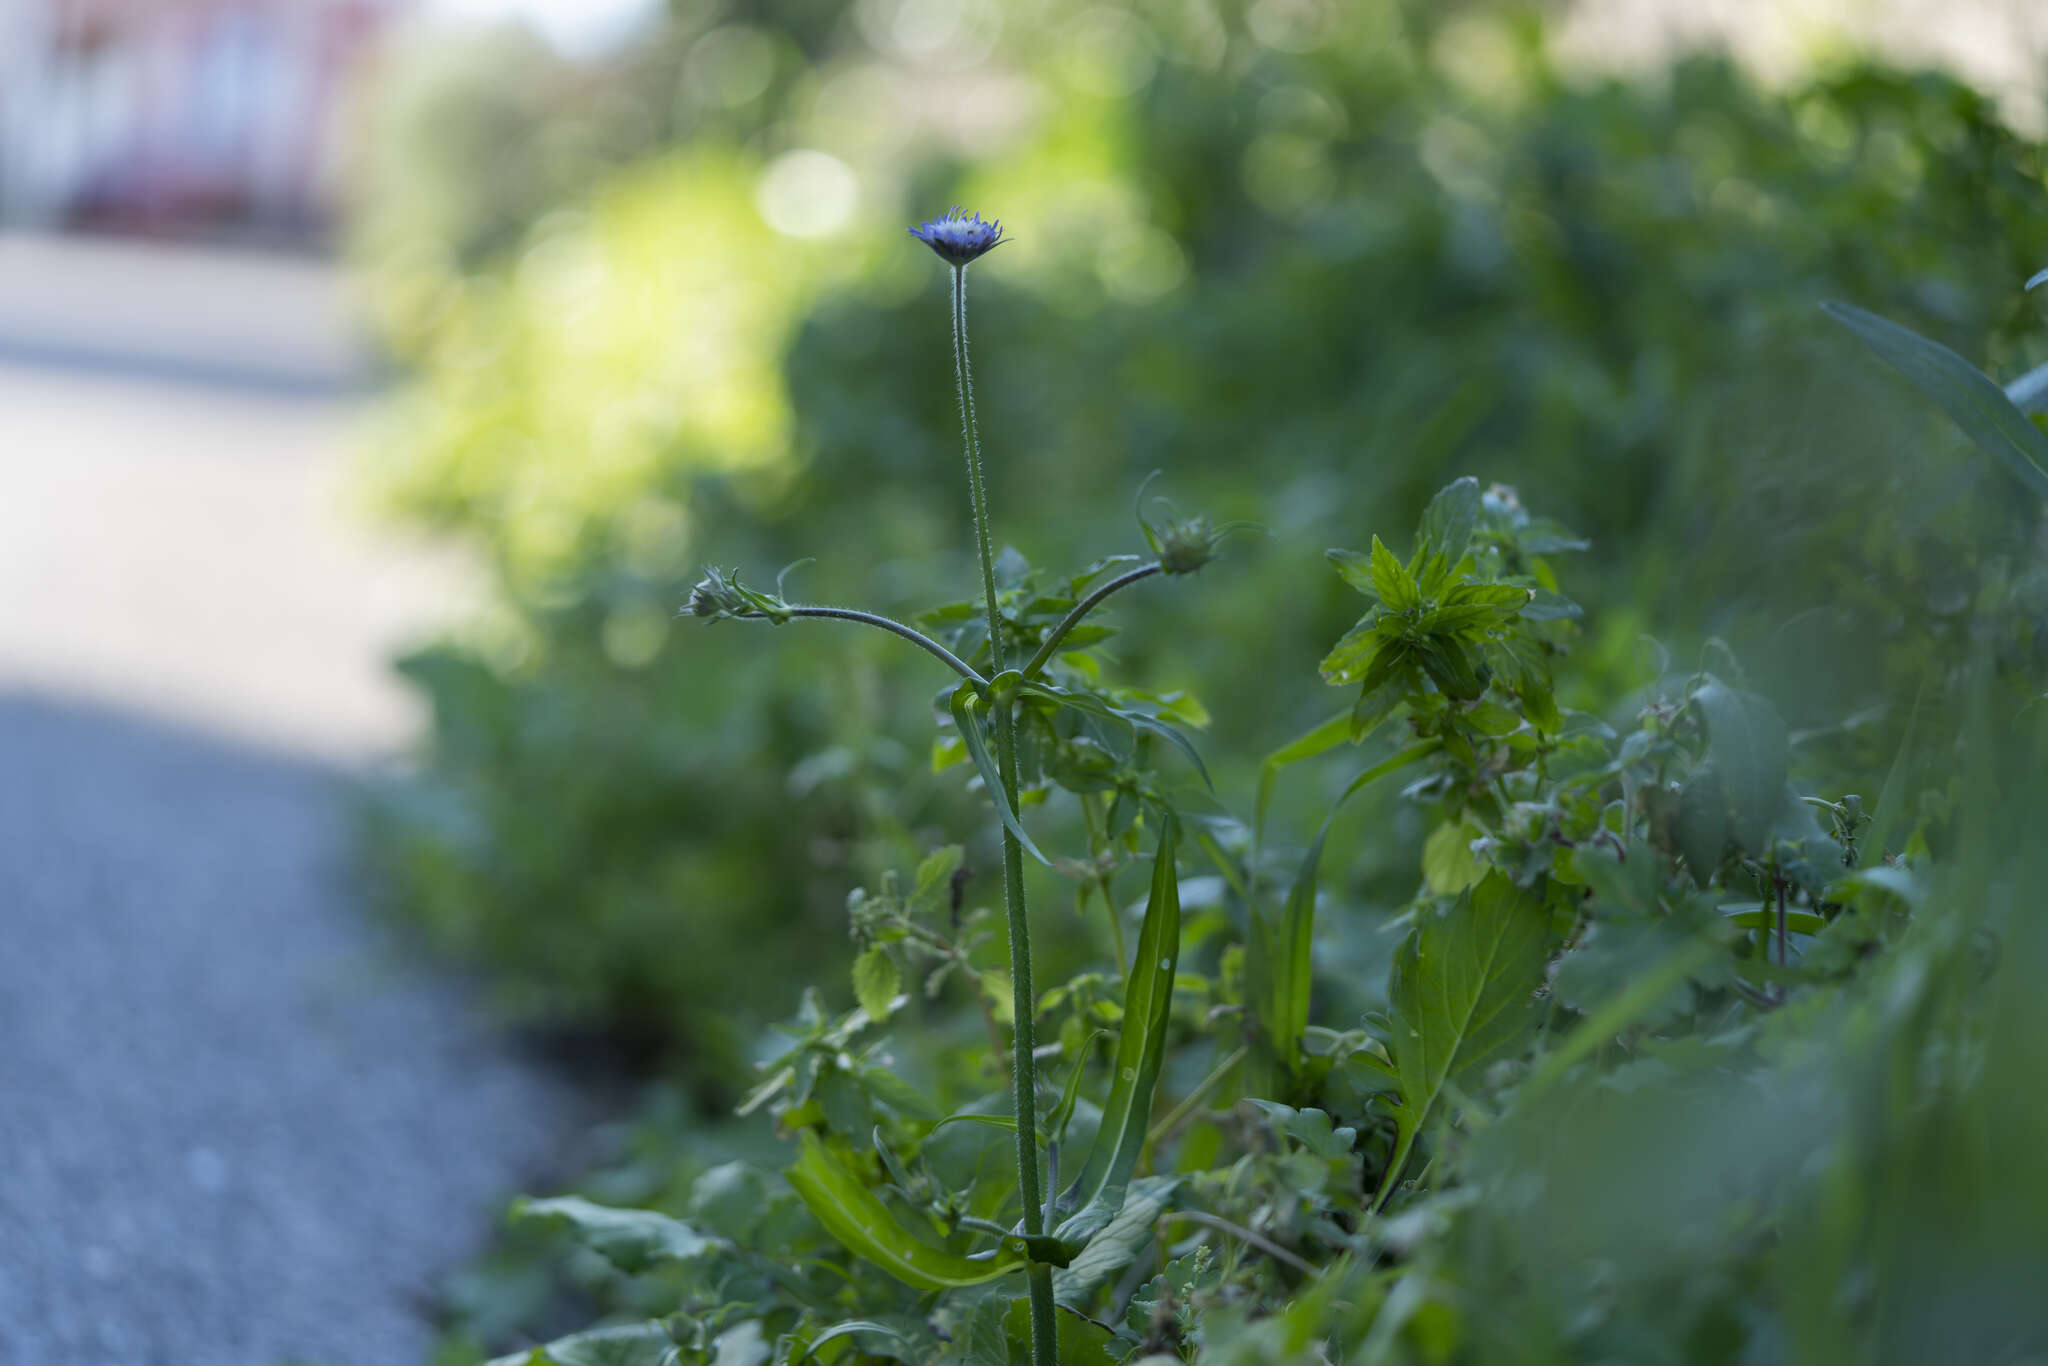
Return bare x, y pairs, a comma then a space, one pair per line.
1966, 393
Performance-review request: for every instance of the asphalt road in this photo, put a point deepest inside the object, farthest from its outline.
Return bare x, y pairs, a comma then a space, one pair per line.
239, 1124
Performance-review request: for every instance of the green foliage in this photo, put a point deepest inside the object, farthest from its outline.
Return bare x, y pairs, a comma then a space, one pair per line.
1650, 1048
1621, 1028
1313, 285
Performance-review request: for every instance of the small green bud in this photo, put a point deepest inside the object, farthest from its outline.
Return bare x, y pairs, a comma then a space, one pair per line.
717, 594
1186, 546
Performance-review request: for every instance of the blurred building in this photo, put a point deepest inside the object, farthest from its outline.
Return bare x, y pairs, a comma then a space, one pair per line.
188, 118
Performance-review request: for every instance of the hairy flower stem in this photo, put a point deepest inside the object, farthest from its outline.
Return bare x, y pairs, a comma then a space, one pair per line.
1023, 1069
1082, 609
896, 628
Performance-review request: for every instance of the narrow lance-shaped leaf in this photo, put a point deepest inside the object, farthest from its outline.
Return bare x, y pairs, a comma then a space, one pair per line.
856, 1216
1966, 393
1140, 1051
1063, 1112
969, 724
1279, 962
1320, 740
1461, 994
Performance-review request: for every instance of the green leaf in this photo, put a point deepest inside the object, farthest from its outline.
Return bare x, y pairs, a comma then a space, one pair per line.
1747, 747
1082, 1341
639, 1344
1375, 704
1448, 864
1964, 392
893, 1091
1391, 582
1461, 993
1279, 956
1454, 667
966, 716
876, 982
630, 1239
935, 879
1320, 740
1450, 517
847, 1328
1117, 1245
1354, 568
1063, 1112
1140, 1050
856, 1216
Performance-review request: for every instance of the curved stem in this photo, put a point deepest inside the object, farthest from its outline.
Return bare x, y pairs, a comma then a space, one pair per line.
1195, 1097
1023, 1000
909, 633
1082, 609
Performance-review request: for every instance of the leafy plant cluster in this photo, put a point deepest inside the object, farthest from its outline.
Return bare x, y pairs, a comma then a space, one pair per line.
1683, 1054
1314, 280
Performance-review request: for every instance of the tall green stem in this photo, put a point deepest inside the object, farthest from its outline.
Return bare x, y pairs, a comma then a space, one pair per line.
1023, 1069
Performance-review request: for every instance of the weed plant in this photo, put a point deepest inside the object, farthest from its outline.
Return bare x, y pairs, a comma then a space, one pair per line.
1684, 1053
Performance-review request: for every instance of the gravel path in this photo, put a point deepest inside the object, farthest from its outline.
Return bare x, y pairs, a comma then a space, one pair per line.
237, 1126
234, 1128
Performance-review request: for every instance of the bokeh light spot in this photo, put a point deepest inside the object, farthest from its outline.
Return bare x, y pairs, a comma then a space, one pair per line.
807, 193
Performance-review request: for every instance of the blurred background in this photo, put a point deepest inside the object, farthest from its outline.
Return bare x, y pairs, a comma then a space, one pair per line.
376, 374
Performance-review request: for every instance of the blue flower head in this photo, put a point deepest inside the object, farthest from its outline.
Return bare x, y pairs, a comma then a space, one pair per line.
959, 240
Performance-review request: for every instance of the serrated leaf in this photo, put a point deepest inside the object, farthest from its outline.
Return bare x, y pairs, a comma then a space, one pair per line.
935, 878
1313, 1129
1461, 994
1390, 581
640, 1344
1375, 704
1448, 520
855, 1216
876, 981
1140, 1050
1356, 652
1118, 1243
630, 1239
1454, 667
1548, 606
1965, 393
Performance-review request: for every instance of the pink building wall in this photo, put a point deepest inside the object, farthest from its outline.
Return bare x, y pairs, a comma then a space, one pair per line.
189, 118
